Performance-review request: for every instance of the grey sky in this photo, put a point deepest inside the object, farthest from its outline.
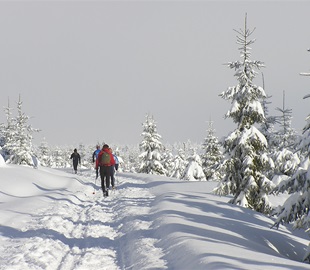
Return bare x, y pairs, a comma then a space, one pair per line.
90, 71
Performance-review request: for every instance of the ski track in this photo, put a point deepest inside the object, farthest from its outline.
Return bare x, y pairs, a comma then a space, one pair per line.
85, 231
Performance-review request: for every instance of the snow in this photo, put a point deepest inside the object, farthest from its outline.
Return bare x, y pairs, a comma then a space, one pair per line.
2, 162
50, 219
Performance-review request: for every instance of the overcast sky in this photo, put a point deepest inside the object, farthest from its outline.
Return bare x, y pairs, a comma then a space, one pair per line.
90, 71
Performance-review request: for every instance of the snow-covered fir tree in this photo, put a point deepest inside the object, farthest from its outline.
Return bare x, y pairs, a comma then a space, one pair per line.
280, 143
193, 171
246, 158
285, 158
151, 149
212, 155
18, 142
179, 164
296, 208
44, 154
168, 161
286, 136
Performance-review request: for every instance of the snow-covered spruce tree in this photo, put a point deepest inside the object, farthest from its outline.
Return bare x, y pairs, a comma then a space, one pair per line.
285, 158
212, 155
179, 164
246, 148
193, 170
44, 154
280, 143
296, 207
19, 142
151, 148
286, 136
168, 161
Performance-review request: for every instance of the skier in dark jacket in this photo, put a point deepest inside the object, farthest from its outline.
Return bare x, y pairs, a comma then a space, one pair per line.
105, 161
76, 158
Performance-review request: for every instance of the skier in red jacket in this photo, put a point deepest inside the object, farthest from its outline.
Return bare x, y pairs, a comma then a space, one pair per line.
105, 161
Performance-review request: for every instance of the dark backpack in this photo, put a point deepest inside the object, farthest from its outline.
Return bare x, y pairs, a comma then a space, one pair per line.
105, 159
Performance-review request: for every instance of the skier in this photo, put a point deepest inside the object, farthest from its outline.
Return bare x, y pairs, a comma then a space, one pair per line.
76, 158
105, 161
95, 158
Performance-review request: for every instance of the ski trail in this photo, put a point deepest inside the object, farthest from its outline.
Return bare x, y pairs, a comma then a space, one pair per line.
82, 230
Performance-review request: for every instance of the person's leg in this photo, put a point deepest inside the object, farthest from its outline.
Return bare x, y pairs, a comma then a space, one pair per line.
108, 176
75, 166
107, 179
102, 180
112, 176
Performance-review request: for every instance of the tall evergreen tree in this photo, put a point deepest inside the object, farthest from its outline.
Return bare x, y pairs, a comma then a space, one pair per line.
246, 147
151, 148
212, 155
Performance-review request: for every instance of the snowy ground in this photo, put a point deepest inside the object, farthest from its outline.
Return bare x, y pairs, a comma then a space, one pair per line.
50, 219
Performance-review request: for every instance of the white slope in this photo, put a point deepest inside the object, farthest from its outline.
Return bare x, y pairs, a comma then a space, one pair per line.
50, 219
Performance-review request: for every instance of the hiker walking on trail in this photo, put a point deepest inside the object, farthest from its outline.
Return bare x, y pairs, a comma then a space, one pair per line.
114, 169
105, 161
95, 158
76, 158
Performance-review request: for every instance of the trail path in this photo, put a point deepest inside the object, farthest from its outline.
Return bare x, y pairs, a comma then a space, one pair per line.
82, 230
